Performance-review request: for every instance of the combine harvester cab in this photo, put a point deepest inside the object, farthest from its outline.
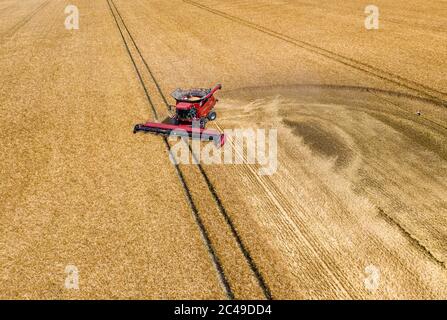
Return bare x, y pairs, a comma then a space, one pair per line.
193, 109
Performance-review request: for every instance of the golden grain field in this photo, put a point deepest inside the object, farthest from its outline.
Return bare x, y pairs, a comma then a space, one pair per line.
361, 182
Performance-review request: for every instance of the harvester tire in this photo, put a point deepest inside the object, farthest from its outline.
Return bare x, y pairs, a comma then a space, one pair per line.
212, 116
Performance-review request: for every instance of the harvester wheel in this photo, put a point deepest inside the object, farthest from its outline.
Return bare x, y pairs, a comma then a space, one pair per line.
212, 116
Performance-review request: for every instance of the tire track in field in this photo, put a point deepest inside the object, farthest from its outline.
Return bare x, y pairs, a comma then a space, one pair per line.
377, 92
244, 250
341, 88
426, 91
412, 239
16, 27
262, 283
271, 190
204, 234
279, 202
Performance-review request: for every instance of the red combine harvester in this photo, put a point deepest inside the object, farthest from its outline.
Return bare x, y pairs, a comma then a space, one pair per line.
193, 109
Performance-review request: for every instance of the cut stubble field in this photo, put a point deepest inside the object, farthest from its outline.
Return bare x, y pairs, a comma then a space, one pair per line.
361, 181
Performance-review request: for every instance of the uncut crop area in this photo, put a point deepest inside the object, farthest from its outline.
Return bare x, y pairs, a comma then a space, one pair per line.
357, 206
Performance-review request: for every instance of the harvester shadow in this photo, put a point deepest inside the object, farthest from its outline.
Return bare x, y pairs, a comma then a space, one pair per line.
167, 120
